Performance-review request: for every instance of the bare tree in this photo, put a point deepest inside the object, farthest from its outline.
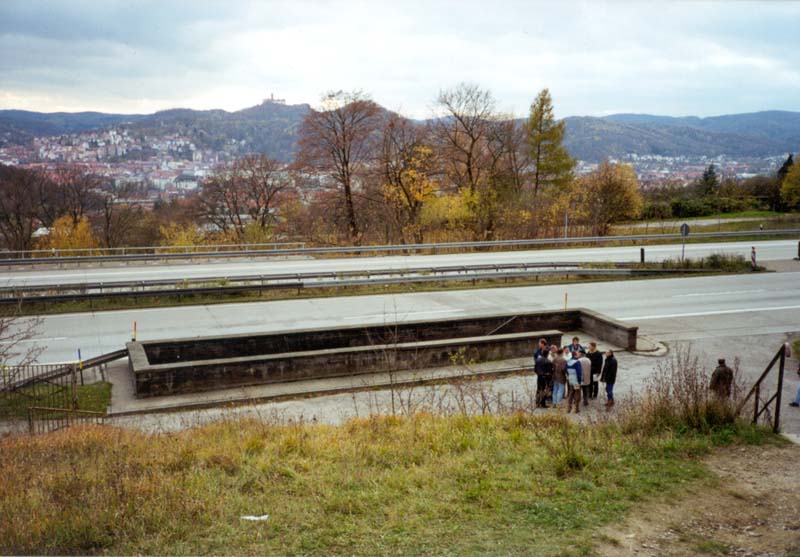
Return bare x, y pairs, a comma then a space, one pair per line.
244, 192
464, 125
337, 140
70, 191
16, 336
118, 216
19, 206
509, 153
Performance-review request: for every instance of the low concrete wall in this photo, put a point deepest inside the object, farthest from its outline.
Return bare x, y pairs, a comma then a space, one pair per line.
194, 376
196, 364
228, 346
608, 329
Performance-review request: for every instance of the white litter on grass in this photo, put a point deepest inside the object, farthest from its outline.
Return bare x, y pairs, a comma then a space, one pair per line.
255, 518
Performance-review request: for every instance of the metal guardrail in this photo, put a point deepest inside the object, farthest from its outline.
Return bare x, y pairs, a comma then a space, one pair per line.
300, 285
223, 281
143, 250
403, 248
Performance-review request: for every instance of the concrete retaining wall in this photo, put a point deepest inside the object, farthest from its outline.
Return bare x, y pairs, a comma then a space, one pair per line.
228, 346
608, 329
190, 365
185, 377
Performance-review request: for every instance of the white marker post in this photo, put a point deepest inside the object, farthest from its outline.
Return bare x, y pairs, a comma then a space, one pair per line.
753, 257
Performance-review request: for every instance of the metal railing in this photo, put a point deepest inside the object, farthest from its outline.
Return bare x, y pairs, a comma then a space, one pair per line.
42, 419
755, 392
180, 287
15, 290
145, 250
47, 395
44, 384
253, 250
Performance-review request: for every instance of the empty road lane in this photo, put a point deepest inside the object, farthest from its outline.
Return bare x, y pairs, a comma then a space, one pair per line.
767, 251
682, 306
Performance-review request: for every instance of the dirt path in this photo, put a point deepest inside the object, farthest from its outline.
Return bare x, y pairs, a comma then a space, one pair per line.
752, 510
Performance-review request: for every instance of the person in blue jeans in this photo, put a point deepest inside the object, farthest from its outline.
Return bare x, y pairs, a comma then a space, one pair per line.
559, 374
574, 377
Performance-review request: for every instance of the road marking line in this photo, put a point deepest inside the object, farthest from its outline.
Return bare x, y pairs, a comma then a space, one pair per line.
402, 315
698, 294
701, 313
32, 340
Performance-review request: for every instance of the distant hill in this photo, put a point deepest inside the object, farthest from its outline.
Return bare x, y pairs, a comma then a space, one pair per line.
268, 128
272, 128
748, 135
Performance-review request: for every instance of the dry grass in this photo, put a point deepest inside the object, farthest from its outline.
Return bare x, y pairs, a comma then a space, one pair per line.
466, 471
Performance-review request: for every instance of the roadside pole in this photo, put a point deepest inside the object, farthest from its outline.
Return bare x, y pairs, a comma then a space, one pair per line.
684, 233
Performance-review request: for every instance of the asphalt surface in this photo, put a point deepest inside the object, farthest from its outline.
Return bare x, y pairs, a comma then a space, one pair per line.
665, 309
770, 250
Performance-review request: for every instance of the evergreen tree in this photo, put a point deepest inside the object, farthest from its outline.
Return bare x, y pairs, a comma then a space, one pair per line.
709, 183
784, 169
551, 163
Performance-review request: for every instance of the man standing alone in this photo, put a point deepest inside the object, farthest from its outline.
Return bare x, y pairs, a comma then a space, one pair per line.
722, 380
609, 377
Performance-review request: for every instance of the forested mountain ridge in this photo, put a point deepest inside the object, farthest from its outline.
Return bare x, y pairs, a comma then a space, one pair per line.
272, 128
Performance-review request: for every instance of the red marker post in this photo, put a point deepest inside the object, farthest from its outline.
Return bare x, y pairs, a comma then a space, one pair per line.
753, 257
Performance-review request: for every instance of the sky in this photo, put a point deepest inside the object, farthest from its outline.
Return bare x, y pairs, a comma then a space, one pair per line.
597, 58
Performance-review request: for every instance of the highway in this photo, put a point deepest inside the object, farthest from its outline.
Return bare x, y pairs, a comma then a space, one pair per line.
768, 250
666, 309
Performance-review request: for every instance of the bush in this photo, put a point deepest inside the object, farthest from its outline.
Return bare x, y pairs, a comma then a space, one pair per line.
715, 261
677, 398
656, 210
692, 208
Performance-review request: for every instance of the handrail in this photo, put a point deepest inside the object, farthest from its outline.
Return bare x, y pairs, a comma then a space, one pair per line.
780, 356
402, 248
43, 419
92, 413
66, 369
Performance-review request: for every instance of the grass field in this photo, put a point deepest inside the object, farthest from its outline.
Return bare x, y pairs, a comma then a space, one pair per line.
502, 479
418, 485
94, 397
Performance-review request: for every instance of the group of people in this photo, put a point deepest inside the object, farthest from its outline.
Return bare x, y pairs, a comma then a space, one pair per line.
573, 373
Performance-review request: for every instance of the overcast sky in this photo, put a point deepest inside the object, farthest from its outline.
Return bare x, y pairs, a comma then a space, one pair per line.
674, 58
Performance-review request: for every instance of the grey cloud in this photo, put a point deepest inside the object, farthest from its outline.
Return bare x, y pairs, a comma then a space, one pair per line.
596, 57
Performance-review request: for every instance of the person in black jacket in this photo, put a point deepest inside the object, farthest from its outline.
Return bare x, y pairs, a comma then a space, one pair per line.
596, 357
543, 368
609, 377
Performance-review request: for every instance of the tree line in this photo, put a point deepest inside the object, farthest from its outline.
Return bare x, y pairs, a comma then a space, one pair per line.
712, 194
363, 174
